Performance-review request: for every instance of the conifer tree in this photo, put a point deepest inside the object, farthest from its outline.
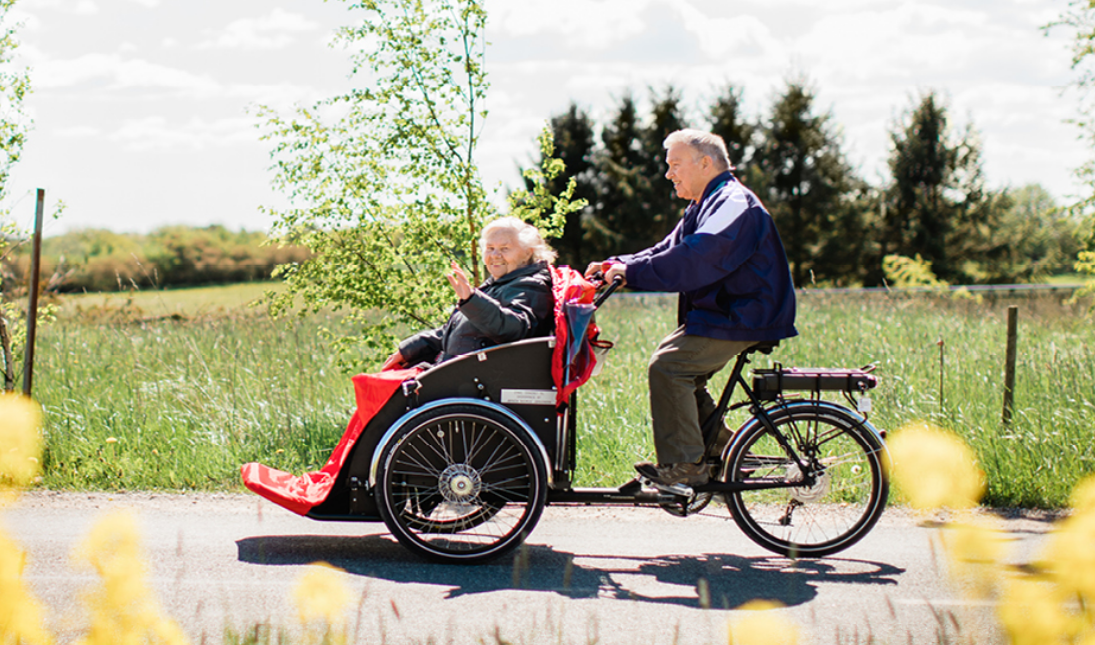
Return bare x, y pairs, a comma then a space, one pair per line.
803, 179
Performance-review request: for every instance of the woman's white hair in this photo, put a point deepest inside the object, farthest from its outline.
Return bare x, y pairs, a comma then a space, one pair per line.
528, 236
706, 144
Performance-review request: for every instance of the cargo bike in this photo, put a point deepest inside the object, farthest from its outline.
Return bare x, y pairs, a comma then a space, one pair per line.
460, 459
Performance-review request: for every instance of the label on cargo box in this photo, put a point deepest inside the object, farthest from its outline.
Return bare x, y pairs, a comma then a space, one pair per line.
528, 397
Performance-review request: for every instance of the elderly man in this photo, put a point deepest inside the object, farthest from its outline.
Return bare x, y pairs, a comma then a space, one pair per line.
726, 260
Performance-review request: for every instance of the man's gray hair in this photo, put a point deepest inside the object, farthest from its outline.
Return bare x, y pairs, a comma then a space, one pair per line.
706, 144
528, 236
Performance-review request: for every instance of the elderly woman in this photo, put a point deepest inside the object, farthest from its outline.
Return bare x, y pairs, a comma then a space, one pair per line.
514, 303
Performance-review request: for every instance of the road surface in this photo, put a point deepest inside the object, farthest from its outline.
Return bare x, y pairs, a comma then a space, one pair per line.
590, 575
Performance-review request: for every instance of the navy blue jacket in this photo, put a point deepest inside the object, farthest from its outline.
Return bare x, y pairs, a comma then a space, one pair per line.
727, 261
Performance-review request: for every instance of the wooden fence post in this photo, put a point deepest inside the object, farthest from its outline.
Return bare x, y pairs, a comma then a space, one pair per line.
1009, 364
32, 305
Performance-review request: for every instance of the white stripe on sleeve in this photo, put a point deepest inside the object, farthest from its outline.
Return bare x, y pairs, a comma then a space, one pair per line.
729, 210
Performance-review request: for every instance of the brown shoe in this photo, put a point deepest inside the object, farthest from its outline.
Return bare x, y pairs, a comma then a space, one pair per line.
670, 474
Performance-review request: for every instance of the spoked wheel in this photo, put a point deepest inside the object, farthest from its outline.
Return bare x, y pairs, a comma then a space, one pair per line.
845, 500
461, 483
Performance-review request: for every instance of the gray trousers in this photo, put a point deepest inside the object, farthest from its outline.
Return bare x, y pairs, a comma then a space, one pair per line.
679, 400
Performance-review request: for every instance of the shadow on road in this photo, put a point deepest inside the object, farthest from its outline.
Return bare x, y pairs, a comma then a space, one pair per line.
730, 580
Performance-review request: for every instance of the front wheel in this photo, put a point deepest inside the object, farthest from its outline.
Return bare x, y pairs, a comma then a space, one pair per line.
461, 483
845, 500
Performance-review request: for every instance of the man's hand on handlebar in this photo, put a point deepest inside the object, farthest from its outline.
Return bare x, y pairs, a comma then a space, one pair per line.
608, 271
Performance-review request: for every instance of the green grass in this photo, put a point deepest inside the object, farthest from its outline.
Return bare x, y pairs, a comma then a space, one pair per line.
190, 385
187, 303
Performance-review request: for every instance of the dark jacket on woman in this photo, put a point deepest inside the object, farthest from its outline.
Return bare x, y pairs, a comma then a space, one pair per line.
518, 305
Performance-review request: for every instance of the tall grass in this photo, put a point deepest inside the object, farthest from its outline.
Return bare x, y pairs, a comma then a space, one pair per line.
136, 399
146, 401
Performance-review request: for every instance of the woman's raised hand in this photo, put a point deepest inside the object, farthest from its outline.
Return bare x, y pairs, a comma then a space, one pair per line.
459, 281
394, 362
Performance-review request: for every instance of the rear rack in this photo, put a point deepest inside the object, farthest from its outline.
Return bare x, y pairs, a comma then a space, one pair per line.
769, 383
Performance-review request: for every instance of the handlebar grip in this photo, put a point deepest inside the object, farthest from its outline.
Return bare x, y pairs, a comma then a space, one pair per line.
616, 282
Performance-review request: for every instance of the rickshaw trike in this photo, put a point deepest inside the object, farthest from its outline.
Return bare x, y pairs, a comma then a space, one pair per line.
460, 459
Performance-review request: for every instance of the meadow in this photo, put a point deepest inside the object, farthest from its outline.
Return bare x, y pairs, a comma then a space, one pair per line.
175, 389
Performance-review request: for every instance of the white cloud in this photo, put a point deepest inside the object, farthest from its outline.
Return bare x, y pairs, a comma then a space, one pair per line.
158, 133
596, 24
719, 38
86, 7
77, 132
113, 72
272, 31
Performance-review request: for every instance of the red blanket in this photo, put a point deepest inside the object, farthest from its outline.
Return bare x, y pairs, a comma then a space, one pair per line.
301, 494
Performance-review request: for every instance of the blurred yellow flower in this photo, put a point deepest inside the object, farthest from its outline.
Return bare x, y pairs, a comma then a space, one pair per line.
123, 610
934, 468
1071, 555
20, 439
975, 551
20, 612
1032, 615
762, 627
1082, 499
322, 595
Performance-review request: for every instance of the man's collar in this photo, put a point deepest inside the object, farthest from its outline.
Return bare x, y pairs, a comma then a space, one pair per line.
715, 183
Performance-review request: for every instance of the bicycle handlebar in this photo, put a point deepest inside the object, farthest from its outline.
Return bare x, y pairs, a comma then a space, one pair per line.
616, 282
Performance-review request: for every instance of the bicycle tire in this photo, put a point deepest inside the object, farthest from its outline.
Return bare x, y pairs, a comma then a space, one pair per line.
850, 490
461, 483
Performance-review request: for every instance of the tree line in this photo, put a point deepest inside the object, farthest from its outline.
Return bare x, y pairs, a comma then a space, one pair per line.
836, 226
172, 256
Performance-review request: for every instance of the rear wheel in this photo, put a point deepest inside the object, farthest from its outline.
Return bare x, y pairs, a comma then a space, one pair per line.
461, 483
845, 500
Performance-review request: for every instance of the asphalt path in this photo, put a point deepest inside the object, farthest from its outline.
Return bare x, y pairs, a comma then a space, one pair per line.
587, 575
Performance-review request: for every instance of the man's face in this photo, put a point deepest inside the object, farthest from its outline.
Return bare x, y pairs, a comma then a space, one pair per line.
687, 170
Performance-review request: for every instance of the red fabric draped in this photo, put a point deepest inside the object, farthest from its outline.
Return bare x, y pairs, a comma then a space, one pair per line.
570, 286
301, 494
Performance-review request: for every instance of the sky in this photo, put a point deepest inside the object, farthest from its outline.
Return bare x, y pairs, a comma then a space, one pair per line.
144, 109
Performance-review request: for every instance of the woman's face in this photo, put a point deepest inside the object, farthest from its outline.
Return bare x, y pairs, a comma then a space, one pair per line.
503, 252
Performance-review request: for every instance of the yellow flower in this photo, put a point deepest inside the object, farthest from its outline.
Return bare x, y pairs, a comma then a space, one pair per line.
1031, 614
20, 441
975, 550
1071, 555
123, 610
20, 612
935, 468
761, 627
322, 595
1082, 499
